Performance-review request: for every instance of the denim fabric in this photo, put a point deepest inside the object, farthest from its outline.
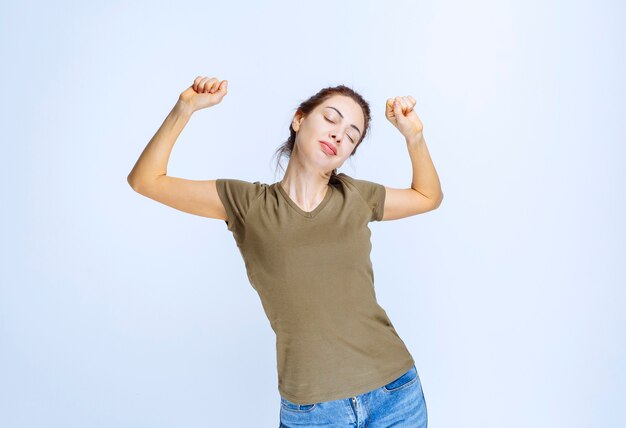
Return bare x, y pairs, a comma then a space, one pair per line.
399, 404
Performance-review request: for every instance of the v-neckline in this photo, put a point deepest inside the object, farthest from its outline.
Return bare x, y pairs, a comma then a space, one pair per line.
308, 214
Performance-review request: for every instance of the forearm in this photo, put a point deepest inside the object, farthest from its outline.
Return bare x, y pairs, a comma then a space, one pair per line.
425, 179
153, 160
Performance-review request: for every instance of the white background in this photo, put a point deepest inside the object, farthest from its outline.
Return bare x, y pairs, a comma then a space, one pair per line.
118, 311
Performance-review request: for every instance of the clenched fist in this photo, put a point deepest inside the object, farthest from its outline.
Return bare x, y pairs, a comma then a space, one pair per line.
399, 111
204, 92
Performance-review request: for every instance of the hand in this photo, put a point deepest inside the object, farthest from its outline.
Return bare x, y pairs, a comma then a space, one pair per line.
204, 92
400, 113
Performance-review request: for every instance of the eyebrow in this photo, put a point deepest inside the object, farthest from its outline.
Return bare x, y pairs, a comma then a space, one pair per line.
342, 117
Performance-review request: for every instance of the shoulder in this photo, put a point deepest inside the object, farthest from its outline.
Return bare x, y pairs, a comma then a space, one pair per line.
238, 196
372, 193
363, 186
240, 188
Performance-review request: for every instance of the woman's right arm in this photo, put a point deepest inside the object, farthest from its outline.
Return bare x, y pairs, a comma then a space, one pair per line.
149, 175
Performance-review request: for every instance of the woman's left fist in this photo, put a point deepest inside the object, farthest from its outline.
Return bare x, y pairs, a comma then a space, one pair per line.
400, 113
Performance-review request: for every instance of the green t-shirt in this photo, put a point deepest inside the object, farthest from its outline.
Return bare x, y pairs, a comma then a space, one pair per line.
313, 273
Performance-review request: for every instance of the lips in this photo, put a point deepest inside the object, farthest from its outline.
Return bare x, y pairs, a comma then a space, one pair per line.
330, 146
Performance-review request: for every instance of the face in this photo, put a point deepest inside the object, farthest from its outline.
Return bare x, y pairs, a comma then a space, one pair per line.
339, 122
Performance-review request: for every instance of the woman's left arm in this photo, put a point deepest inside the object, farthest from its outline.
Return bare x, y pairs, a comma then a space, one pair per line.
425, 193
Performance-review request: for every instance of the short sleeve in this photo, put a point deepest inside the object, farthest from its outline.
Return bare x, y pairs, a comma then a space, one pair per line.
237, 196
372, 193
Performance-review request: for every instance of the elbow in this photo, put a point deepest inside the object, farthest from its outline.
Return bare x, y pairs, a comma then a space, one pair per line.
131, 182
439, 200
139, 184
134, 183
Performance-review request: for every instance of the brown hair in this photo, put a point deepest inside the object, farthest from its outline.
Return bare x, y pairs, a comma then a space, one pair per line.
306, 107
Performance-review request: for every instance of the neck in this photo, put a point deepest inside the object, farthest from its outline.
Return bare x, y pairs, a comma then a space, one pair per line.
306, 187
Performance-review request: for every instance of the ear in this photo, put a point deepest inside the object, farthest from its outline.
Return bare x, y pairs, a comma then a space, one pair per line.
297, 120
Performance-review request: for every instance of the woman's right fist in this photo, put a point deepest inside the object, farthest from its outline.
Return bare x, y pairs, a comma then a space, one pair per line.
205, 92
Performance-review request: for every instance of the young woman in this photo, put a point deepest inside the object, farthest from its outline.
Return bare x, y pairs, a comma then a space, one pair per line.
306, 245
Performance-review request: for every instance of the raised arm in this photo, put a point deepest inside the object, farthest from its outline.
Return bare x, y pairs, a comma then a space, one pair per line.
425, 193
149, 175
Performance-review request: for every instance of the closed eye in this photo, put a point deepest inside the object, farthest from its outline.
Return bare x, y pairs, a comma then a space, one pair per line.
334, 122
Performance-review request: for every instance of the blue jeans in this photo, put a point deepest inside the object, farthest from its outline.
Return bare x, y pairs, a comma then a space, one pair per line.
400, 403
